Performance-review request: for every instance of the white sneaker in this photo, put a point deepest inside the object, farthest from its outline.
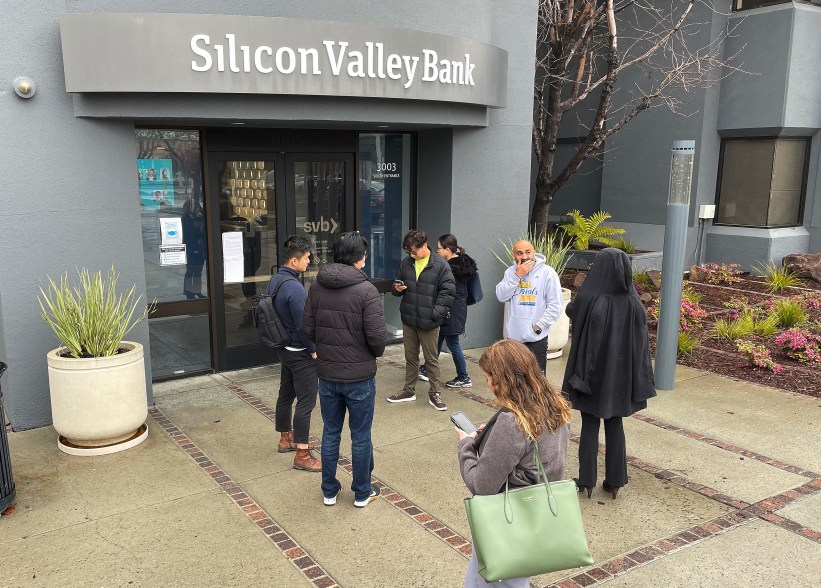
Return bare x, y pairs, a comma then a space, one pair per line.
363, 503
332, 500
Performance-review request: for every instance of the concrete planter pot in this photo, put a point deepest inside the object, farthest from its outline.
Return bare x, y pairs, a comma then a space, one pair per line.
559, 333
98, 404
647, 261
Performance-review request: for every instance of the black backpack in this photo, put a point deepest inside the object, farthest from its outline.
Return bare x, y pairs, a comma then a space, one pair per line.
272, 333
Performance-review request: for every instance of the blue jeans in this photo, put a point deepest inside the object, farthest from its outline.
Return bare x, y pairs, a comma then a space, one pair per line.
357, 398
456, 351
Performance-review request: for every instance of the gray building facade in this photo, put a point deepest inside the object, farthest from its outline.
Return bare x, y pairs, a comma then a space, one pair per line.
188, 193
758, 145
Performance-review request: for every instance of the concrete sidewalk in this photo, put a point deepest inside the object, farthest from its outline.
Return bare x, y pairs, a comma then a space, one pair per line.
724, 490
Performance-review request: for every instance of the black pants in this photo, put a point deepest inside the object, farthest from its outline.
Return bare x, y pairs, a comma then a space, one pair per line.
298, 381
539, 349
615, 451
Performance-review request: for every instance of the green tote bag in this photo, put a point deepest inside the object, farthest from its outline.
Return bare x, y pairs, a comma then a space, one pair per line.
528, 531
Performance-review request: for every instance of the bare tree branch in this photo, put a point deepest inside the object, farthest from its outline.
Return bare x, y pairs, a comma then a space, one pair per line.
580, 58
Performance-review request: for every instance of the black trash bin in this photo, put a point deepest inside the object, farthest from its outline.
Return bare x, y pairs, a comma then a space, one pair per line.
6, 480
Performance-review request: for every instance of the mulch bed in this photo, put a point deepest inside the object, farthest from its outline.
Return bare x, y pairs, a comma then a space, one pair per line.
721, 356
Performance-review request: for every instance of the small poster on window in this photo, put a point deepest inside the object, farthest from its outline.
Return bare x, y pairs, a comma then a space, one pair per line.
172, 255
155, 177
171, 230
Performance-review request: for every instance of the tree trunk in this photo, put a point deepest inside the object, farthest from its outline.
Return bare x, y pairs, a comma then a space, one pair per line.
541, 208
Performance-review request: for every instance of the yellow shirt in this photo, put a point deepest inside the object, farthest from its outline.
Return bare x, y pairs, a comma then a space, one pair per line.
420, 264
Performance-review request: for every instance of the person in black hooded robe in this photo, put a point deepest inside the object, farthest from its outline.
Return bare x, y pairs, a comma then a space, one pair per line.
609, 375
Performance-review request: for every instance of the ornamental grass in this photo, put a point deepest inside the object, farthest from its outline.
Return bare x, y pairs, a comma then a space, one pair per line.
90, 319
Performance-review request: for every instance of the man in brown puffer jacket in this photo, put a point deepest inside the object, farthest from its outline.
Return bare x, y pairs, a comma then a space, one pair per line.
344, 317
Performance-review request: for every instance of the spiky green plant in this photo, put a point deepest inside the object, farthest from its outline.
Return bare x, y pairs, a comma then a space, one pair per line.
584, 230
687, 343
90, 320
643, 279
766, 327
625, 245
554, 252
788, 313
690, 294
777, 278
733, 329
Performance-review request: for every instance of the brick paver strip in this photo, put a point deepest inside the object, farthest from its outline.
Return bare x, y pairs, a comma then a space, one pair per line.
412, 510
284, 542
625, 563
726, 446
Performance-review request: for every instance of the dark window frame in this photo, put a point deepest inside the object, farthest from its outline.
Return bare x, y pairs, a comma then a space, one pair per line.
805, 174
758, 4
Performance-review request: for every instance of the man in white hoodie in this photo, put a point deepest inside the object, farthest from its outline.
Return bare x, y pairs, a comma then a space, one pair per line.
535, 295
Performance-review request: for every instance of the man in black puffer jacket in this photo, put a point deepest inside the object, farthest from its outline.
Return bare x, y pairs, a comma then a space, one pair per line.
426, 284
344, 317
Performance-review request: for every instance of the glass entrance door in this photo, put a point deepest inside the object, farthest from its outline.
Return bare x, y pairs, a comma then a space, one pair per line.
248, 191
258, 200
319, 189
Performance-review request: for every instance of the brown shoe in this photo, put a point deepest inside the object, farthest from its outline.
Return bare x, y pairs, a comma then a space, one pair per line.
402, 396
286, 442
436, 402
304, 460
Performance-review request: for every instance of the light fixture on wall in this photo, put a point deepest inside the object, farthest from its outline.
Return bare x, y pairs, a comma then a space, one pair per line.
24, 87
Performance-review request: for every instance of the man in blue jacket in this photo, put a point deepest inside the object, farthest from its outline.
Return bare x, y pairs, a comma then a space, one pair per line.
298, 380
535, 295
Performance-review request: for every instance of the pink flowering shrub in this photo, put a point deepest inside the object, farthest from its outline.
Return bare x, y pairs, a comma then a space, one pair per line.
691, 314
736, 305
759, 356
810, 301
800, 345
721, 274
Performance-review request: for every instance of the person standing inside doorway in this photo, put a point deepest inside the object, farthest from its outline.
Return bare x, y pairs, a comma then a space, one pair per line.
298, 380
344, 317
534, 292
425, 283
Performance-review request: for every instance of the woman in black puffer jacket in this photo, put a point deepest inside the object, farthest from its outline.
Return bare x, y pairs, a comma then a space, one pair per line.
463, 267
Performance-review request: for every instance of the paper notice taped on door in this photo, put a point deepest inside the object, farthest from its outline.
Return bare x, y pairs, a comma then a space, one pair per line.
232, 257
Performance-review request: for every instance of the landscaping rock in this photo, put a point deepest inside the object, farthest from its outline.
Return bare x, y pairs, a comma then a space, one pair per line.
697, 274
579, 280
655, 277
804, 265
647, 298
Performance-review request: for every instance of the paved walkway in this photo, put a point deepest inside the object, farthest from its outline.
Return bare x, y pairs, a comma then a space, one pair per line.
725, 489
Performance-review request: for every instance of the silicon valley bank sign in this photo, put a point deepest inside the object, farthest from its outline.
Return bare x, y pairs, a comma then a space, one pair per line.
197, 53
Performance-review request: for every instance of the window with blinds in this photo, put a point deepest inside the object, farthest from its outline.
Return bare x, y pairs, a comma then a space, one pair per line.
750, 4
762, 182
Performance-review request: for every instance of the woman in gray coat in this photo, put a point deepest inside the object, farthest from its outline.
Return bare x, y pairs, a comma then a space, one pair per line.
503, 449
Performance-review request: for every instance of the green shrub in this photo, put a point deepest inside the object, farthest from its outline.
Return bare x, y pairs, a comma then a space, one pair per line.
643, 279
554, 251
90, 320
689, 294
687, 342
777, 278
734, 329
625, 245
584, 230
788, 313
766, 327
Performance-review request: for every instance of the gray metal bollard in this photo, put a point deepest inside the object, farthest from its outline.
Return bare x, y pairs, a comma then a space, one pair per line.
7, 490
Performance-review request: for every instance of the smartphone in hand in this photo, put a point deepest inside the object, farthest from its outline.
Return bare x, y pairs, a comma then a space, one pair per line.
462, 422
